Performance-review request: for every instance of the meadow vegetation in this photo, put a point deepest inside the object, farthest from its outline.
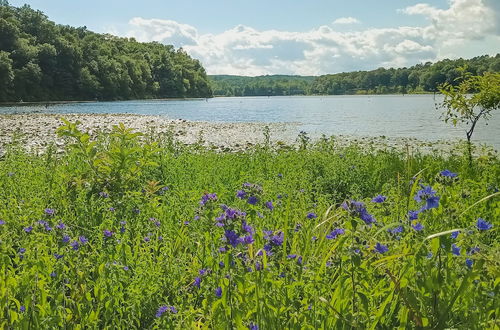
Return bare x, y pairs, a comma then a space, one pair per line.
136, 230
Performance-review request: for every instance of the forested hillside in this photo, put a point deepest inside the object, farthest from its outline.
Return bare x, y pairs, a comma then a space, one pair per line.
40, 60
420, 78
227, 85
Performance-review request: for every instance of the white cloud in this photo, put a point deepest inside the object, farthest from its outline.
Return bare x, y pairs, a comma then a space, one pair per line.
346, 20
244, 50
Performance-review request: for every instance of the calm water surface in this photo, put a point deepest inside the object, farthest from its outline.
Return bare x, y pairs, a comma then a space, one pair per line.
388, 115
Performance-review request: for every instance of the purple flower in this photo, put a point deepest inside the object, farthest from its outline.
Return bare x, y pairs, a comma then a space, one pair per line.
413, 215
248, 239
291, 256
104, 194
196, 217
448, 173
397, 230
473, 250
418, 226
280, 175
203, 271
218, 292
253, 326
431, 202
74, 245
22, 309
379, 199
125, 268
277, 239
246, 227
207, 198
481, 224
65, 239
232, 238
454, 235
147, 239
112, 209
252, 200
425, 193
311, 215
358, 209
83, 239
2, 222
53, 274
381, 248
197, 282
61, 225
270, 205
50, 212
469, 262
221, 264
299, 260
455, 249
28, 229
161, 310
336, 232
22, 250
107, 233
241, 194
58, 256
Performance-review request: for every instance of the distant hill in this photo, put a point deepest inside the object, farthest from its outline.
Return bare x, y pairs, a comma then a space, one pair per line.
420, 78
272, 85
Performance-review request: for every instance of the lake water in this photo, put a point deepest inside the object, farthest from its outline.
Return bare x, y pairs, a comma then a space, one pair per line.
381, 115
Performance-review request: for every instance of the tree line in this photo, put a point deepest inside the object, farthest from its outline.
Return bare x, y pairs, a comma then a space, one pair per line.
41, 61
420, 78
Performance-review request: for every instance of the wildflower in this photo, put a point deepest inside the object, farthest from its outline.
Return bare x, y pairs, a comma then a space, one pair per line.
222, 249
455, 249
278, 238
28, 229
107, 233
336, 232
291, 256
221, 264
22, 309
299, 260
74, 245
454, 235
381, 248
125, 268
270, 205
379, 199
65, 239
431, 202
58, 256
22, 250
248, 239
2, 222
418, 226
61, 225
218, 292
203, 271
473, 250
50, 212
246, 227
311, 215
196, 217
53, 274
425, 193
232, 238
83, 239
112, 209
260, 215
481, 224
252, 200
413, 215
280, 175
253, 326
429, 255
469, 262
197, 282
104, 194
147, 239
358, 209
448, 174
241, 194
161, 310
207, 197
397, 230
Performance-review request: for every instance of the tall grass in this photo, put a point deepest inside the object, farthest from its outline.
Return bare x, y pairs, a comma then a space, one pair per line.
134, 231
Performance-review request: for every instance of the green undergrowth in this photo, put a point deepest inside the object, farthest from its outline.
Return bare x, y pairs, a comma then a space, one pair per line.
138, 231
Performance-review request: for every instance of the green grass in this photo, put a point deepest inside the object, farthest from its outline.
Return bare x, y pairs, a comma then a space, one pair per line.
121, 281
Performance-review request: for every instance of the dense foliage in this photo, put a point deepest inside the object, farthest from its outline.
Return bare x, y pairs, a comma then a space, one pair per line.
141, 232
274, 85
40, 60
420, 78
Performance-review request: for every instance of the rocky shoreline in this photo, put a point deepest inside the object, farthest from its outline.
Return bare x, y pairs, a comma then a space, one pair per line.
36, 131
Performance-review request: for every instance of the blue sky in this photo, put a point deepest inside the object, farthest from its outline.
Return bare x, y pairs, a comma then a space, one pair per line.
295, 36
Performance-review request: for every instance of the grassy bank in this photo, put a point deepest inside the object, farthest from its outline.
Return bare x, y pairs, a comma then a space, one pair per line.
129, 232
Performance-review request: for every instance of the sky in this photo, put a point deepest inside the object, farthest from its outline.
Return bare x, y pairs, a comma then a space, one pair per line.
304, 37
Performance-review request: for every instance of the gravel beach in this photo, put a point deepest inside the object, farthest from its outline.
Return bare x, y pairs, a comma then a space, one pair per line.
36, 131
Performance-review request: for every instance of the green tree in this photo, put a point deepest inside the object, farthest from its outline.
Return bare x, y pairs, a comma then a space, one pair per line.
475, 97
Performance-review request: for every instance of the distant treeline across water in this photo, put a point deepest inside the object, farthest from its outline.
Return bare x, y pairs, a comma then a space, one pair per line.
421, 78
